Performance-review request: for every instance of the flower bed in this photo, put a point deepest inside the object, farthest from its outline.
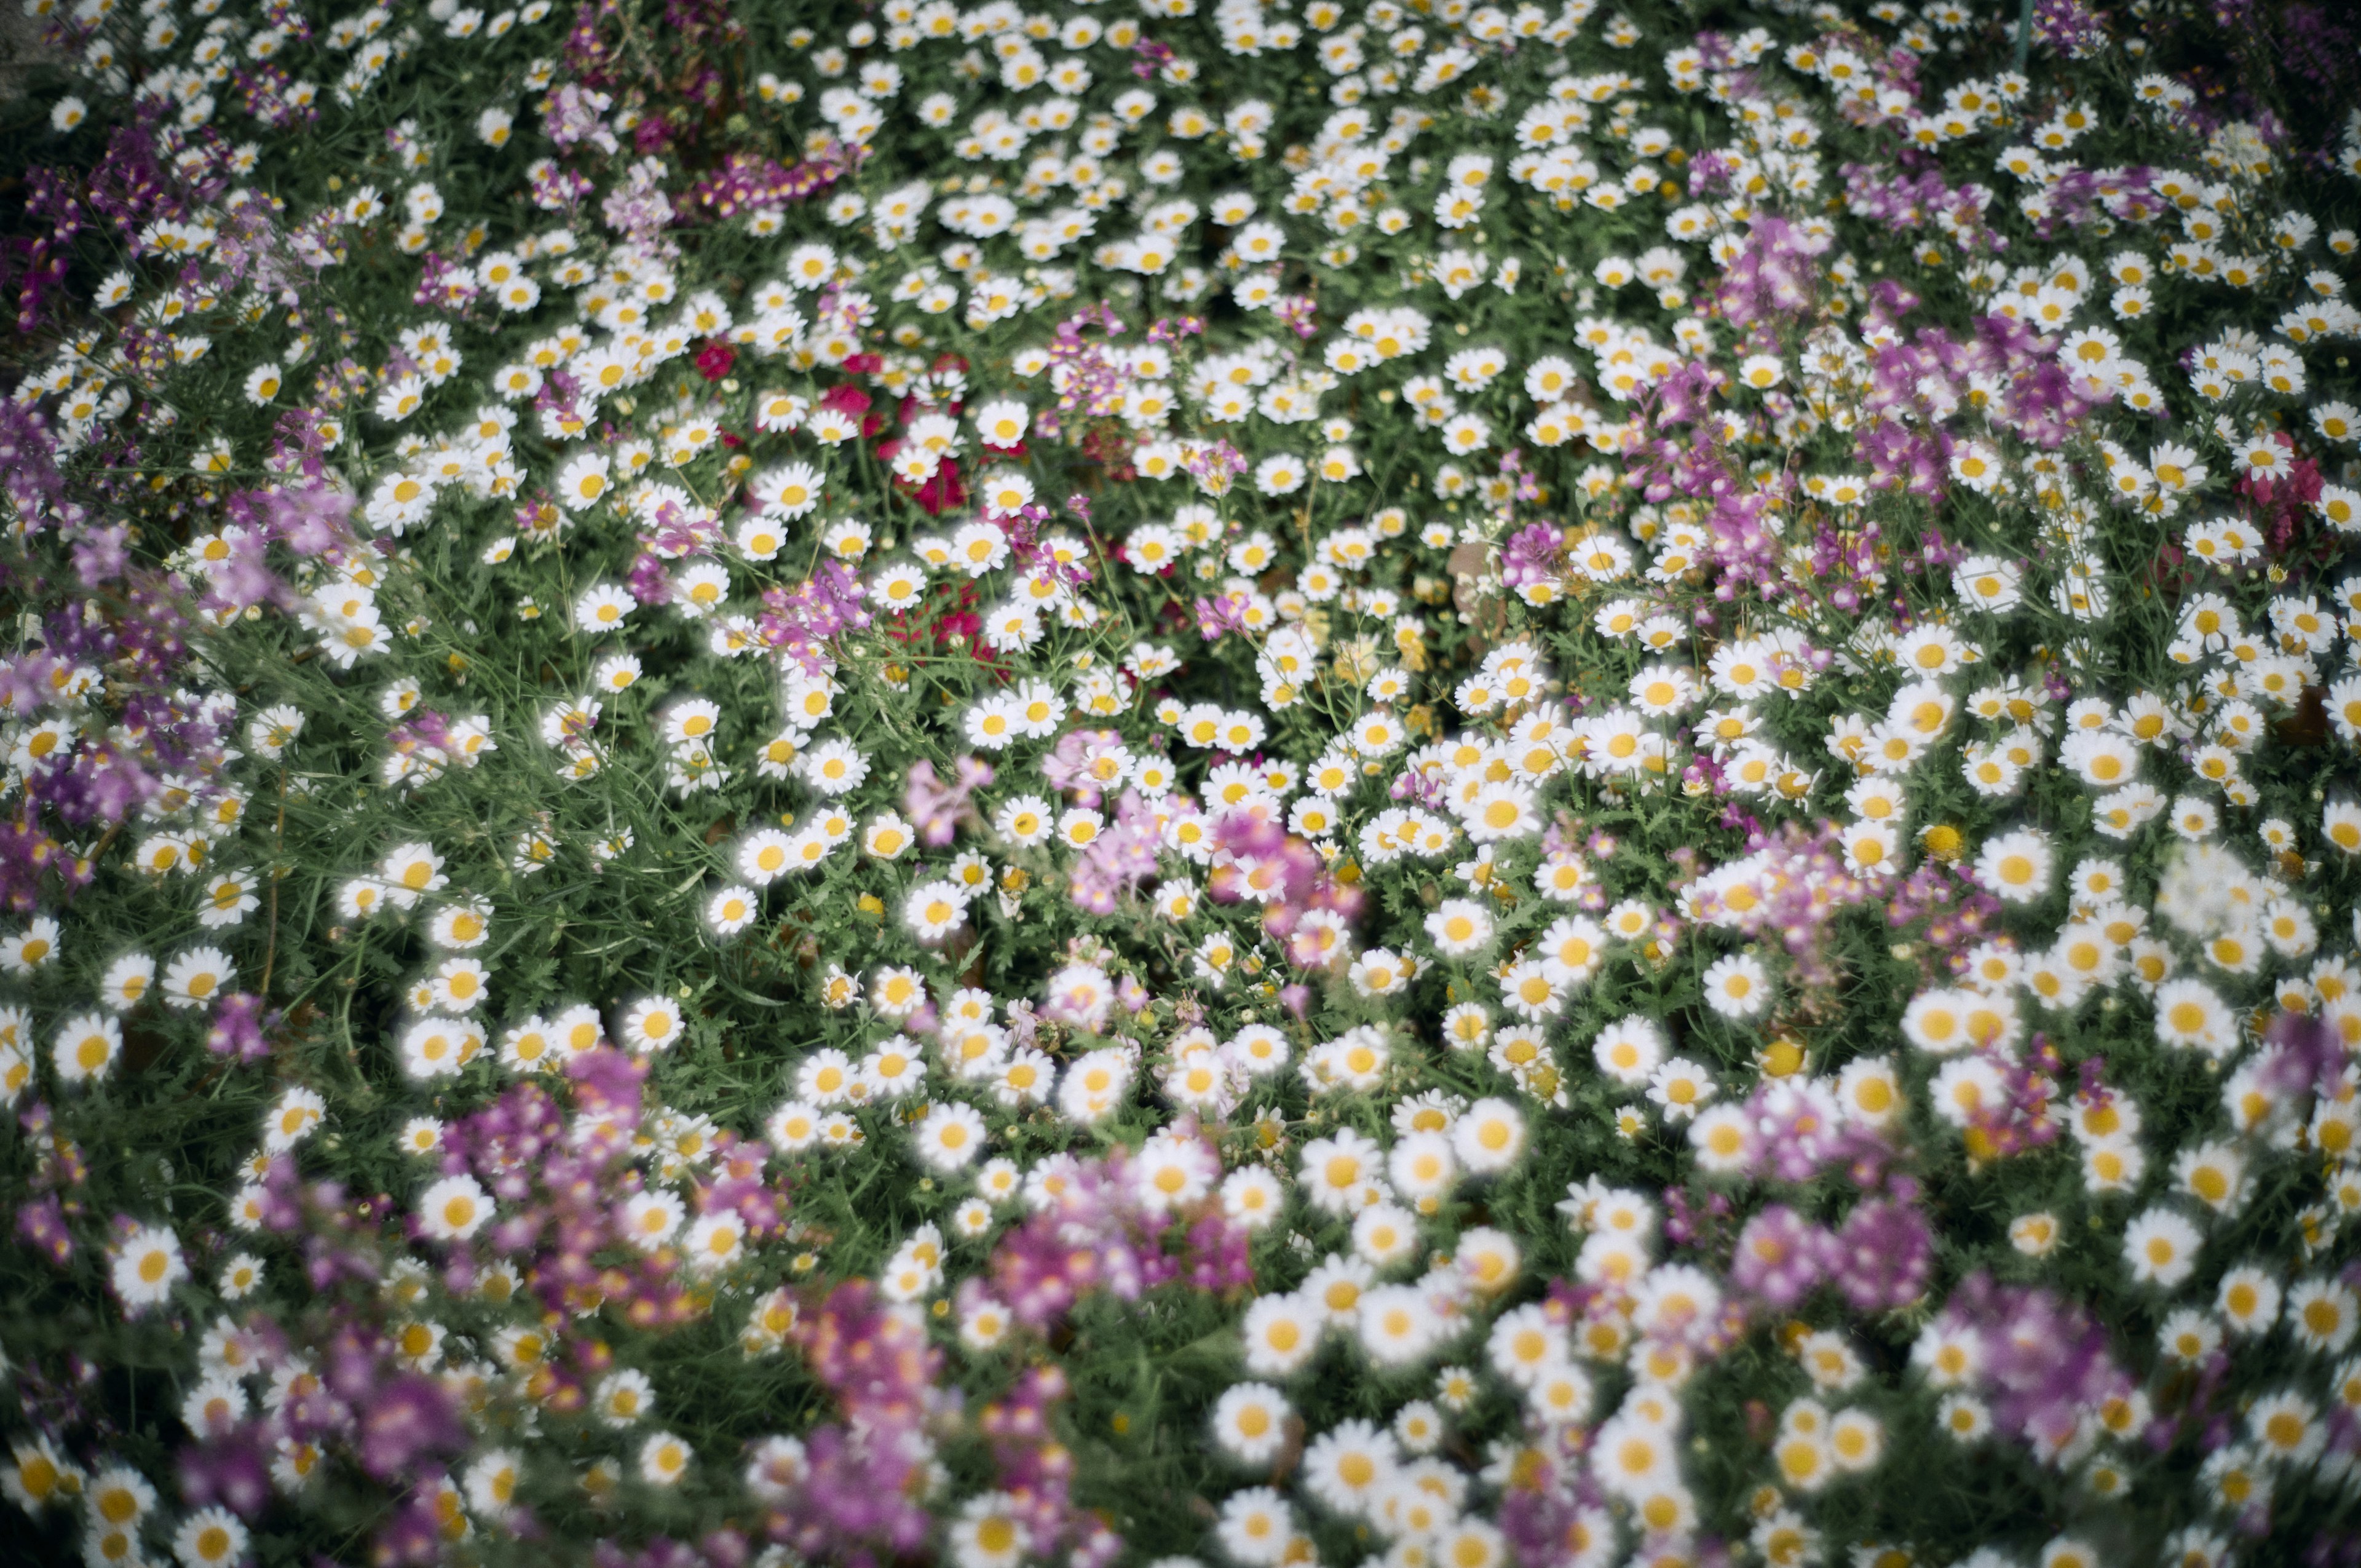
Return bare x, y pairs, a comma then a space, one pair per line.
1415, 784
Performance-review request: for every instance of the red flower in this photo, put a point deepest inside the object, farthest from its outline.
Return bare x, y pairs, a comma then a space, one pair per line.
714, 358
941, 493
848, 399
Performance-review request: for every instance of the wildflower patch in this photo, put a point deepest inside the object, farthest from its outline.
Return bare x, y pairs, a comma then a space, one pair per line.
1426, 785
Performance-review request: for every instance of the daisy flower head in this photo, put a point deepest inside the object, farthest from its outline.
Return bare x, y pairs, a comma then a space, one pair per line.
583, 480
732, 909
227, 900
2191, 1015
86, 1046
291, 1119
1490, 1136
453, 1209
1397, 1325
765, 855
490, 1481
1630, 1050
461, 925
147, 1263
1173, 1170
602, 607
2017, 866
2323, 1315
119, 1497
991, 1532
950, 1136
2161, 1246
1252, 1197
126, 981
651, 1219
578, 1028
649, 1025
1385, 1234
714, 1241
934, 909
1737, 986
434, 1046
1681, 1088
2248, 1300
1281, 1332
457, 985
209, 1537
197, 978
1250, 1422
240, 1276
1459, 928
1345, 1467
663, 1459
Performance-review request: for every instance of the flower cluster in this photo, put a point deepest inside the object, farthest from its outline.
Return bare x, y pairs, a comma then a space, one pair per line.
1248, 782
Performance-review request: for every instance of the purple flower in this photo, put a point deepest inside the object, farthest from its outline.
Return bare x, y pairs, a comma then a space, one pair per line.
100, 554
572, 115
2044, 1360
1119, 859
1884, 1256
940, 807
648, 582
444, 284
230, 1467
404, 1419
1217, 616
41, 1225
801, 619
1781, 1256
238, 1028
2069, 27
1530, 556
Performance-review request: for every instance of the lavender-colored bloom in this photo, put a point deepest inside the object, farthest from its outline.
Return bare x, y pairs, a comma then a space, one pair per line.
444, 284
241, 1024
100, 554
1781, 1257
404, 1419
1774, 274
41, 1226
800, 620
638, 209
1219, 616
648, 581
1530, 556
938, 806
1883, 1255
2069, 27
2043, 1361
1799, 1127
231, 1467
572, 115
1121, 858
